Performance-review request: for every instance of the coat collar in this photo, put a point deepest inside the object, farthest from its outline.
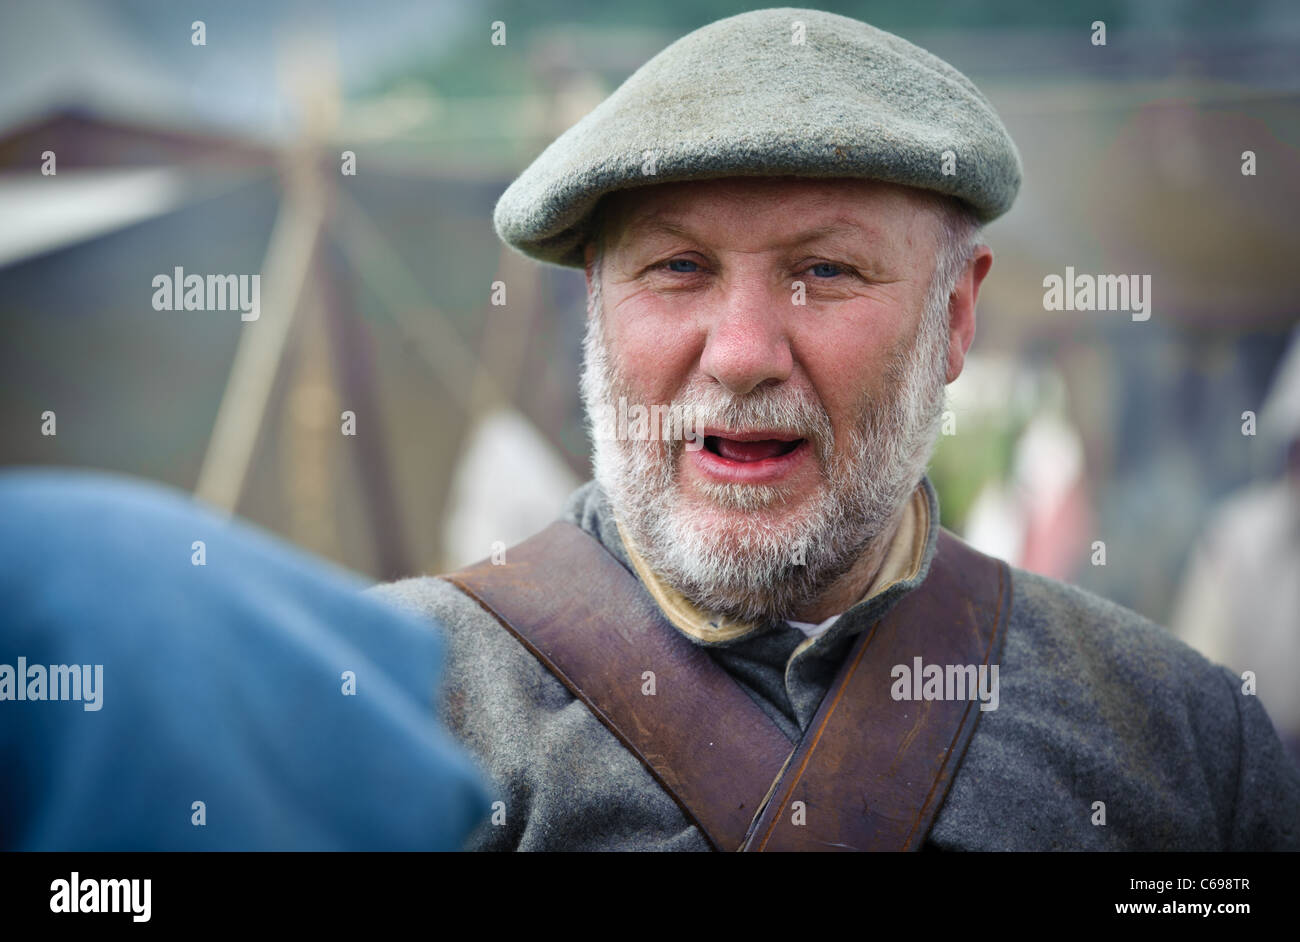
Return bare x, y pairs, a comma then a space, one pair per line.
904, 566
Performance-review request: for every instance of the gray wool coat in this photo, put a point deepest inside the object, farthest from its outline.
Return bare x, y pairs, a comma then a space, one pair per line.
1096, 704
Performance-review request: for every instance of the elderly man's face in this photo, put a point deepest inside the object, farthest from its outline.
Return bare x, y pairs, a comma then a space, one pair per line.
818, 403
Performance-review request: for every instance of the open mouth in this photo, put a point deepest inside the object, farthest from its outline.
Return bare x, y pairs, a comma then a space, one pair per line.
762, 456
748, 451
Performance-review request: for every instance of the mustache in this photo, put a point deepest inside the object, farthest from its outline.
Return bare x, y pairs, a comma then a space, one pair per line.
769, 411
785, 411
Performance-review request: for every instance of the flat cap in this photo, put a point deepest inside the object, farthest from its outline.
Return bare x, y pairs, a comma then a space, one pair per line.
768, 93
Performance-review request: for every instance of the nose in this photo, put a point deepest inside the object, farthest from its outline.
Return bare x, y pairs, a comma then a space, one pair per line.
747, 343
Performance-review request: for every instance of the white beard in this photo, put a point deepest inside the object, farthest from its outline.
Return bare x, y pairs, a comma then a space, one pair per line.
765, 563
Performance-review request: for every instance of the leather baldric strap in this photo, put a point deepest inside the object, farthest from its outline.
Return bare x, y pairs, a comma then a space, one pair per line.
586, 618
871, 771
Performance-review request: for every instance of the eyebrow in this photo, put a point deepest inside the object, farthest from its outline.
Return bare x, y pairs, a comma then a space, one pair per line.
658, 225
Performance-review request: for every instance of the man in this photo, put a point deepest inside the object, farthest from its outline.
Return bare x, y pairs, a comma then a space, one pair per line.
172, 679
1239, 601
752, 633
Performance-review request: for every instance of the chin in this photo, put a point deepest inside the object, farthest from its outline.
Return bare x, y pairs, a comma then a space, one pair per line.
729, 503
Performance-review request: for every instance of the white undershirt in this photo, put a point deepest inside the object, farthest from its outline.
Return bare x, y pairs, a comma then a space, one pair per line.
811, 630
912, 526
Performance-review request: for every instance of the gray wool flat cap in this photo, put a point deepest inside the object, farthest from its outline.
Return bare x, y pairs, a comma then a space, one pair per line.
768, 93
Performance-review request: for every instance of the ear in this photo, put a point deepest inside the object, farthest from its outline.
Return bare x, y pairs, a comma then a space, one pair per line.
961, 309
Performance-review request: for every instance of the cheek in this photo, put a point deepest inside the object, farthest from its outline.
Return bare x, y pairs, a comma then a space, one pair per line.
654, 354
848, 358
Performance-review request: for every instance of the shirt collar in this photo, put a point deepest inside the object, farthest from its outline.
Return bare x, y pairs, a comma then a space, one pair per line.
902, 562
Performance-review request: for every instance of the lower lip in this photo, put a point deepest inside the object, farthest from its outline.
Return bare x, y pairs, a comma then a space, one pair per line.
717, 468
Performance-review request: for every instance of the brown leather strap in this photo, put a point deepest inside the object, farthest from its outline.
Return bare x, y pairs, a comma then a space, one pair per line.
585, 617
871, 771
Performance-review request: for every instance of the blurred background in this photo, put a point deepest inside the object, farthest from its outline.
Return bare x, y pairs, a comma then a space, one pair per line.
1073, 429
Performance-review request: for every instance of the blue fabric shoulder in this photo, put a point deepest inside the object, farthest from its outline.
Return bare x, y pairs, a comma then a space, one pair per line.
236, 693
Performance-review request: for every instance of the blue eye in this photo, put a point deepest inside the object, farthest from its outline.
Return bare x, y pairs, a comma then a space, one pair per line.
672, 266
826, 270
